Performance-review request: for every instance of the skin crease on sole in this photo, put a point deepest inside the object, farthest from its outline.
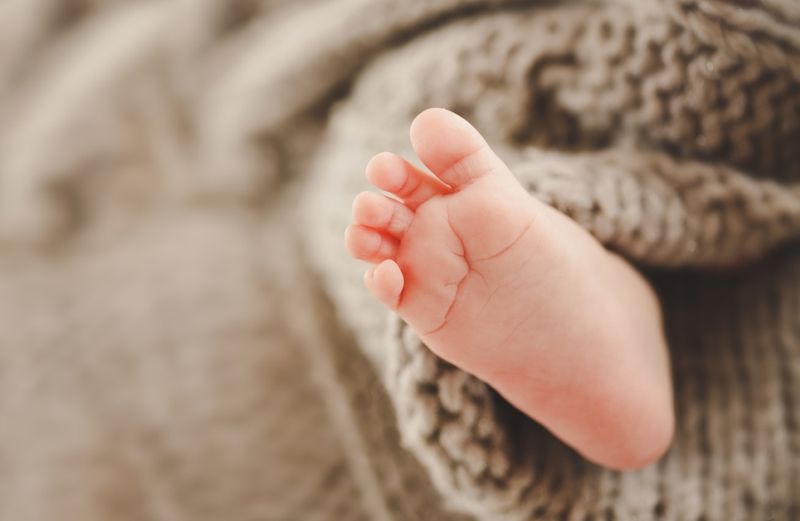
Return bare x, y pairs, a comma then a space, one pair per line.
514, 292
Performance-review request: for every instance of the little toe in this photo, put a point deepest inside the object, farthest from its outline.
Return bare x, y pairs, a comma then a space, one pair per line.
385, 281
382, 213
452, 148
395, 175
368, 244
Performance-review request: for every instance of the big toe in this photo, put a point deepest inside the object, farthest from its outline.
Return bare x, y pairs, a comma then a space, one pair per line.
452, 148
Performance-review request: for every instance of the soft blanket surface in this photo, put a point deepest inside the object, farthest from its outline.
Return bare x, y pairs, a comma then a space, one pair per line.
183, 337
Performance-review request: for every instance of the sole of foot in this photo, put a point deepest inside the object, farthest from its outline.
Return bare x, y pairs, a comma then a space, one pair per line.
514, 292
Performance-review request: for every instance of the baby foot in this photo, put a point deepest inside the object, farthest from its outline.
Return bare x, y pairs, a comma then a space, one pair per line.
514, 292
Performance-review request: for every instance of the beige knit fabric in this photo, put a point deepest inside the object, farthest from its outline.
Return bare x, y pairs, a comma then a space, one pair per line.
668, 130
178, 341
153, 322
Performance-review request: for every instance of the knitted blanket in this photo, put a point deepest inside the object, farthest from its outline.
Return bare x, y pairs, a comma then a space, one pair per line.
182, 335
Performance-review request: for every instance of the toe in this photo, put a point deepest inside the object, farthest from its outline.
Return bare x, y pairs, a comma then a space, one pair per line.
368, 244
452, 148
395, 175
385, 281
382, 213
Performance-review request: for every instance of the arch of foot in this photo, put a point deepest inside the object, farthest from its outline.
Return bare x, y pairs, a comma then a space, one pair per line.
486, 458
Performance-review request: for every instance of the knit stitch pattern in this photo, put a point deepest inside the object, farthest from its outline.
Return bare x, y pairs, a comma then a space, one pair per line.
183, 337
674, 149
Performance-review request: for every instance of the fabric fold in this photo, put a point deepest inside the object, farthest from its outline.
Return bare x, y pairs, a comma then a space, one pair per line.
674, 150
139, 171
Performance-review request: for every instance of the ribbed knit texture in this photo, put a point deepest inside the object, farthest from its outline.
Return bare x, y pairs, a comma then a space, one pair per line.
182, 336
670, 132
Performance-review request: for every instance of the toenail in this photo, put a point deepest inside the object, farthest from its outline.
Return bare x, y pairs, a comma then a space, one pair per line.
368, 275
371, 239
396, 178
378, 162
391, 175
369, 209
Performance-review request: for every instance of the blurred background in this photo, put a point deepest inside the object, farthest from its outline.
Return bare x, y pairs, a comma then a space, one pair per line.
167, 352
148, 366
